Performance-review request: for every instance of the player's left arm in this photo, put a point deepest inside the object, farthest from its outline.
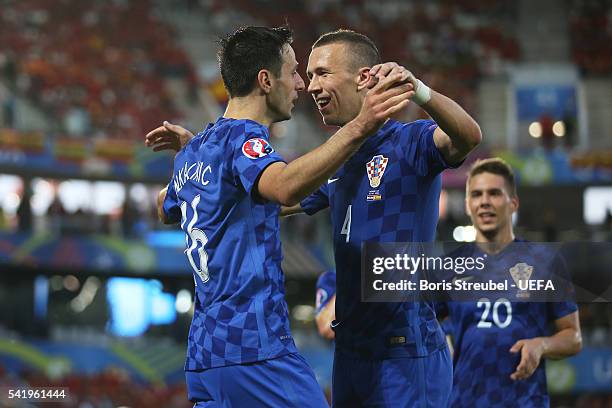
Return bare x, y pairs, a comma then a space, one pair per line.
566, 342
457, 133
160, 205
168, 137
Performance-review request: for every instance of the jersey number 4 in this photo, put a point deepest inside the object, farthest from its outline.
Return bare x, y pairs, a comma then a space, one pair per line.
486, 304
198, 239
346, 225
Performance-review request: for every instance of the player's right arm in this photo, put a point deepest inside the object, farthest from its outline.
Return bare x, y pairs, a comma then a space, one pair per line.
566, 342
310, 205
287, 184
287, 211
325, 304
324, 319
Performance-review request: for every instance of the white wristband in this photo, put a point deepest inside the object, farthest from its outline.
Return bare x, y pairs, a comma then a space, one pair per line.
422, 93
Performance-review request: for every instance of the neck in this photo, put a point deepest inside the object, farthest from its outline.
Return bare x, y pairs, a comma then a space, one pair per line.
251, 107
495, 241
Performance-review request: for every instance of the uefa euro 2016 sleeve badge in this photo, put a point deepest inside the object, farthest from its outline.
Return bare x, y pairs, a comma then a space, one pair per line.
375, 169
256, 147
521, 272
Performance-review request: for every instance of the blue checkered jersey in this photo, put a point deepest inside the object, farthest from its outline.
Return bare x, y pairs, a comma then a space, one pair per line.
326, 289
232, 244
484, 331
387, 192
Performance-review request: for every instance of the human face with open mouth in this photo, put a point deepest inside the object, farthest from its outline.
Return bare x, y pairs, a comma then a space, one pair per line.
334, 83
490, 205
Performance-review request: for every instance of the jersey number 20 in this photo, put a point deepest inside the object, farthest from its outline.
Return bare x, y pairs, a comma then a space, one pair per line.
198, 239
486, 303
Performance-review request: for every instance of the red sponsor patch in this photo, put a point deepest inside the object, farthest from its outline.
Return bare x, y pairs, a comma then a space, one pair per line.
256, 148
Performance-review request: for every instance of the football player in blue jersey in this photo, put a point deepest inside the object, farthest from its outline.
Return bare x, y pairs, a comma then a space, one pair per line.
226, 190
499, 346
387, 354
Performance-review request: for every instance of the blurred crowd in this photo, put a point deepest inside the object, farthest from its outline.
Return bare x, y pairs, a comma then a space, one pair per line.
591, 35
132, 217
450, 44
98, 68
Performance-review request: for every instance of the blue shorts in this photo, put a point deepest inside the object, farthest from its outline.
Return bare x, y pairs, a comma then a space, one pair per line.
286, 381
397, 382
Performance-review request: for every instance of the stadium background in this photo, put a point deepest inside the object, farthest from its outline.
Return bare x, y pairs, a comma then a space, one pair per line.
95, 294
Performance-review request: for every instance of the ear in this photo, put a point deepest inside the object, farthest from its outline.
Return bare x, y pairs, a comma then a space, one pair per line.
264, 80
364, 79
515, 203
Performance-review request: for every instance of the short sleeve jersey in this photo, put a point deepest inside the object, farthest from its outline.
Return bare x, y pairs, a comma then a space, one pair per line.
484, 331
387, 192
232, 244
326, 289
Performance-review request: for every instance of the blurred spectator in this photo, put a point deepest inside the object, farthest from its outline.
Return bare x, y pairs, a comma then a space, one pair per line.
7, 106
8, 70
569, 120
607, 225
56, 214
129, 217
548, 137
24, 211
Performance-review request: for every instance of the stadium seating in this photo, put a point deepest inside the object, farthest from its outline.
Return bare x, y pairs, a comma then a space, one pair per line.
103, 63
591, 34
460, 40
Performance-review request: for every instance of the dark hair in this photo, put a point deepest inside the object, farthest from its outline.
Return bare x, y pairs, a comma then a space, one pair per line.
363, 50
497, 166
248, 50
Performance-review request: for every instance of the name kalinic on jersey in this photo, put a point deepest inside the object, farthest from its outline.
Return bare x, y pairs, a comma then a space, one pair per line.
232, 245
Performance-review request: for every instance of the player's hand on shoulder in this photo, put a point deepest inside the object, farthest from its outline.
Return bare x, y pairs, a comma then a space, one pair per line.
168, 137
531, 354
